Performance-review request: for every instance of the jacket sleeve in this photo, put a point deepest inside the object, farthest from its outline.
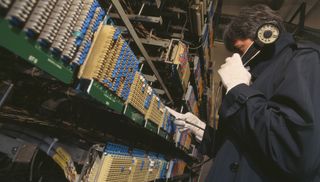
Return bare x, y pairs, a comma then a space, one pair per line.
285, 127
206, 146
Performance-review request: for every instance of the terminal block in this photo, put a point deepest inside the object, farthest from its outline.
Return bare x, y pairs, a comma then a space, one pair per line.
93, 67
116, 164
191, 101
20, 12
182, 138
179, 55
155, 112
139, 92
168, 122
5, 4
111, 62
53, 25
85, 38
163, 168
140, 166
154, 167
79, 32
67, 26
176, 167
39, 17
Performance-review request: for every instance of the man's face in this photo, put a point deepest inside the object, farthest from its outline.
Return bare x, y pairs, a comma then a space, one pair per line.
242, 45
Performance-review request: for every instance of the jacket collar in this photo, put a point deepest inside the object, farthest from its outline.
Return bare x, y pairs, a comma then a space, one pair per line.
286, 39
269, 54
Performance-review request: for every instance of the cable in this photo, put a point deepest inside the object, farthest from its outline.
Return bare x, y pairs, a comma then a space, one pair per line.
32, 165
202, 43
214, 123
216, 105
185, 120
199, 165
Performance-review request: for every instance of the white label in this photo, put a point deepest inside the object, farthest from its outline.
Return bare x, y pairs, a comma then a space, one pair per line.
33, 59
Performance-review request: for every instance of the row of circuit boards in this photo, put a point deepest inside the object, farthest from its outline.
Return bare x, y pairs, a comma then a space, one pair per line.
72, 41
118, 163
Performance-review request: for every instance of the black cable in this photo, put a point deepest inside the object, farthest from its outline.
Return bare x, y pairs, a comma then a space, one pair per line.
200, 165
185, 120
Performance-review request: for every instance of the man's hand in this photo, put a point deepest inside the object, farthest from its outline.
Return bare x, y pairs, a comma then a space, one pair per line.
233, 72
190, 121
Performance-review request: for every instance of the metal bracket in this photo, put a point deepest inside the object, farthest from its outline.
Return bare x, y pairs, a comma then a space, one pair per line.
159, 91
158, 3
149, 19
5, 90
17, 150
150, 78
302, 12
135, 37
161, 43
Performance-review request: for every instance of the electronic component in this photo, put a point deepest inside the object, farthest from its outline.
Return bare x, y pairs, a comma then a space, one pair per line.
168, 122
79, 29
111, 62
20, 11
84, 40
155, 112
176, 167
197, 77
191, 101
197, 18
182, 138
163, 168
39, 17
154, 167
54, 23
116, 164
179, 56
5, 4
268, 33
94, 170
140, 166
140, 93
170, 76
67, 26
93, 67
64, 27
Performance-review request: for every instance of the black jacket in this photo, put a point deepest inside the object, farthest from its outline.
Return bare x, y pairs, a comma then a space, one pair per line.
270, 130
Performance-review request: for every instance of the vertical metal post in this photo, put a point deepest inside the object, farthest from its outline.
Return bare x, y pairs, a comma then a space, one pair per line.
141, 9
5, 95
135, 37
217, 15
302, 14
302, 17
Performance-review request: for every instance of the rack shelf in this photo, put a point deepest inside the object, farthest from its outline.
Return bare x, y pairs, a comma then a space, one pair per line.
87, 117
134, 114
105, 97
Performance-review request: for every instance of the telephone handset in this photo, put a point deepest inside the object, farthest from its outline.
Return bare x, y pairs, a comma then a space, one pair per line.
268, 33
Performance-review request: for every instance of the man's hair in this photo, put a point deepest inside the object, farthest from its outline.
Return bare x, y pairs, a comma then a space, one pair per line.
247, 23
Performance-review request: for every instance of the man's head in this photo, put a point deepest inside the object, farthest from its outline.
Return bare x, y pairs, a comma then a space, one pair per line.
241, 31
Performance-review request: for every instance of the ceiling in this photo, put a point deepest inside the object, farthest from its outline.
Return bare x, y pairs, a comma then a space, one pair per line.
286, 9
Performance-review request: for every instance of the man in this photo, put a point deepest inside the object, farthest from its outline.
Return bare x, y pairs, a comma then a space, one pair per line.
269, 119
